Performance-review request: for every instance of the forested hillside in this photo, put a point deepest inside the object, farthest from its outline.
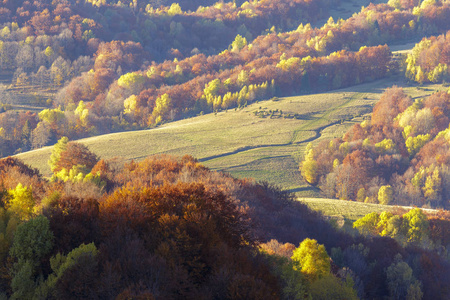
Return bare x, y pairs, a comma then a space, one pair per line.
169, 228
93, 67
401, 156
429, 60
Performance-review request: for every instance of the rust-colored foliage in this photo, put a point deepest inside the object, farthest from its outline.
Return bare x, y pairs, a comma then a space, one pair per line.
111, 55
391, 103
440, 228
157, 169
76, 154
190, 225
439, 103
207, 213
106, 173
6, 164
274, 247
187, 232
13, 171
73, 221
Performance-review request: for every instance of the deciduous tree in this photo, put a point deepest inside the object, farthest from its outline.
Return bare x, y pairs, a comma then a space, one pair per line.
312, 259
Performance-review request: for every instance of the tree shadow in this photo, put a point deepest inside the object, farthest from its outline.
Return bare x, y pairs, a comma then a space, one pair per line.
304, 189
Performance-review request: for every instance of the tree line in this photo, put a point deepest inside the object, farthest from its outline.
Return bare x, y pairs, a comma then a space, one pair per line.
429, 60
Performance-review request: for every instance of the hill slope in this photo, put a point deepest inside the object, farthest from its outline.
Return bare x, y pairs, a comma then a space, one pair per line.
243, 142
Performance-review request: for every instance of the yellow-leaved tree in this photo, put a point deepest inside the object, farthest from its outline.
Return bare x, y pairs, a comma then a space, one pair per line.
415, 222
368, 225
311, 259
58, 148
385, 195
21, 202
133, 81
309, 166
162, 107
414, 144
238, 43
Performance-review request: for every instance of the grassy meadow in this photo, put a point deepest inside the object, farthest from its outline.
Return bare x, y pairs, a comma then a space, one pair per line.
343, 209
264, 140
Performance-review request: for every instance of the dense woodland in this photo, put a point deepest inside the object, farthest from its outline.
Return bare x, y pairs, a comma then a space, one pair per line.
429, 60
400, 156
135, 64
169, 228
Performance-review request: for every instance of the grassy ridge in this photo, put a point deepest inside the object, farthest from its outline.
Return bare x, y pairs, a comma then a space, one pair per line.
241, 142
349, 210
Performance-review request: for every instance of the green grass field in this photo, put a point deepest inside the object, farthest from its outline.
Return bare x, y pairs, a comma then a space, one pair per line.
348, 210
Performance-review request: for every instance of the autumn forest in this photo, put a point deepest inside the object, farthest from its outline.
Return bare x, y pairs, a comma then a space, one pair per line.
169, 227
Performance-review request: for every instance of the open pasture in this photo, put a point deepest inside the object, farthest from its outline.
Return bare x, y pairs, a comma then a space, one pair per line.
349, 210
264, 140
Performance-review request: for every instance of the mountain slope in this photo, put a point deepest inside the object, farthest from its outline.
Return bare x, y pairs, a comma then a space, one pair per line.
243, 142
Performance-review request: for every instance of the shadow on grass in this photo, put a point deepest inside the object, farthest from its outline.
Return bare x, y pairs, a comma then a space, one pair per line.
304, 189
307, 117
